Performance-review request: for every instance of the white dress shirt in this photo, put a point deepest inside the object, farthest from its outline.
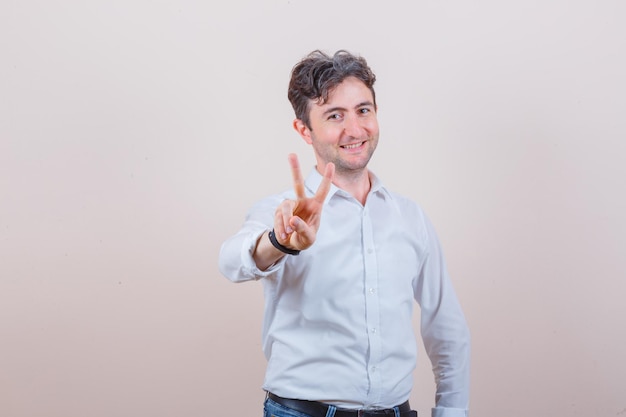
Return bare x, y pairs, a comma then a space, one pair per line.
337, 325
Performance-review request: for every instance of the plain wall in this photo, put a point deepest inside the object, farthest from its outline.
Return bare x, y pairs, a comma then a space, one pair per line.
135, 135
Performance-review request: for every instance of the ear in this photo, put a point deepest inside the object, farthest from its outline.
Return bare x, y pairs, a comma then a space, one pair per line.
302, 130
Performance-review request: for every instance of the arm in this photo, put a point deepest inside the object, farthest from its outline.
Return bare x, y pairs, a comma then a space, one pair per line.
236, 261
265, 254
296, 222
445, 333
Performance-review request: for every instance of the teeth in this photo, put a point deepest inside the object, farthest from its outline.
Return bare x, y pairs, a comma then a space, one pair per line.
356, 145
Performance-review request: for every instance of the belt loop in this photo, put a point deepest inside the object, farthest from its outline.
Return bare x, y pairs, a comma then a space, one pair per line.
396, 411
331, 411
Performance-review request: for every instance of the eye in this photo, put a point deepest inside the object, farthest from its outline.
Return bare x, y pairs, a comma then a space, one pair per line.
364, 110
334, 116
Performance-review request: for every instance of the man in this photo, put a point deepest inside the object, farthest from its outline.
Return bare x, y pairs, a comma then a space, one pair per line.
342, 259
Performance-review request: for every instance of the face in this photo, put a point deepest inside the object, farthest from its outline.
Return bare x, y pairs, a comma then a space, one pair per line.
344, 129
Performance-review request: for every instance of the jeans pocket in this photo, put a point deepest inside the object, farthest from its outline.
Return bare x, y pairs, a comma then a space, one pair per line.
273, 409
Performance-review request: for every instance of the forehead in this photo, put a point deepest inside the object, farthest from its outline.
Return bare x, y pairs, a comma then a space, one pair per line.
349, 93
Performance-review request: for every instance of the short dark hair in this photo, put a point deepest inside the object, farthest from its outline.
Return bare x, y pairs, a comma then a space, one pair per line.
317, 74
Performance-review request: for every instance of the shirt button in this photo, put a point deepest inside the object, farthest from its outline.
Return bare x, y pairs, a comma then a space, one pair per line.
374, 330
372, 290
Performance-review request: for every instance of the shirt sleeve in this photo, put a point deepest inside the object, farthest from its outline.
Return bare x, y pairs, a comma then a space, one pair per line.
235, 259
449, 412
444, 331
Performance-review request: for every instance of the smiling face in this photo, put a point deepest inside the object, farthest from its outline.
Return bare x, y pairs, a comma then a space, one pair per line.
344, 128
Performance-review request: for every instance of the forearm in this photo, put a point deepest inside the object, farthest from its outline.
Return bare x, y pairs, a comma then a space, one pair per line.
451, 367
236, 261
265, 254
447, 342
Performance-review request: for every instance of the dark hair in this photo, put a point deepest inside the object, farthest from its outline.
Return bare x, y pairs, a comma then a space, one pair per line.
317, 74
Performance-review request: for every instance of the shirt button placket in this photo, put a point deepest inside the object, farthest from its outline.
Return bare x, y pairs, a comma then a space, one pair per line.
372, 306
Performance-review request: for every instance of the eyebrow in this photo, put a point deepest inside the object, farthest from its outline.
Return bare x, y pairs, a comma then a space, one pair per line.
337, 108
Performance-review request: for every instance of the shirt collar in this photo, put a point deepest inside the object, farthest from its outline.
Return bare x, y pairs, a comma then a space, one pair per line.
314, 180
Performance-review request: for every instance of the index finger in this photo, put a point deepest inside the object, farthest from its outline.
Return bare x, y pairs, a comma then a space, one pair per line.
324, 188
298, 181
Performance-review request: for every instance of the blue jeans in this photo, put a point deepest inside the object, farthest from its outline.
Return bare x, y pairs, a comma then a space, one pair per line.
273, 409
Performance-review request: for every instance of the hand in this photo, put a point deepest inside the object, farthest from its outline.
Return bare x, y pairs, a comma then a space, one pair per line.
296, 221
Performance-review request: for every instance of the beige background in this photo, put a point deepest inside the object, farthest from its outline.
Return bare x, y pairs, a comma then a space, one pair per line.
134, 135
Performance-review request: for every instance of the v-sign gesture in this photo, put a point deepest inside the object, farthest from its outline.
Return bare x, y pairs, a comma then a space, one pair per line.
295, 221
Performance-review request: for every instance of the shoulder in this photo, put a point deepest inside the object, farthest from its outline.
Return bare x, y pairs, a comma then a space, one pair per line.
403, 203
267, 205
411, 213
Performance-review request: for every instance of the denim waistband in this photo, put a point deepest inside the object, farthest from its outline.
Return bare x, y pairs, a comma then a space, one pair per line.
318, 409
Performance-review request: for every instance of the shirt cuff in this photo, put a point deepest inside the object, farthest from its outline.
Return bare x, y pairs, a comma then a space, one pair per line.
249, 266
449, 412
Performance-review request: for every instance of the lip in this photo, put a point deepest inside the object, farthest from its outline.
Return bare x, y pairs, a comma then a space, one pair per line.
353, 146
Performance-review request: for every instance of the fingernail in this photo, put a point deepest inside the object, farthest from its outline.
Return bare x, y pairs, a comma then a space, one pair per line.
288, 229
283, 236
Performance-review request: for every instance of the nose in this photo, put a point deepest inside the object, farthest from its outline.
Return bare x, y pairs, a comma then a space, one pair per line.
353, 126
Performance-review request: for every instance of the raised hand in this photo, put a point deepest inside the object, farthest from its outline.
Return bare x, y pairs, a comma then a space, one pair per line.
296, 221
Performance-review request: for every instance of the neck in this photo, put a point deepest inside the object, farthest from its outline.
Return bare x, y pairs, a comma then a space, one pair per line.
358, 183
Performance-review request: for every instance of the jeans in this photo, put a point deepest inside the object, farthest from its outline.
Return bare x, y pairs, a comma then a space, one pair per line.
273, 409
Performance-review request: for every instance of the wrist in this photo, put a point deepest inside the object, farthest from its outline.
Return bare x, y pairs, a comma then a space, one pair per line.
279, 246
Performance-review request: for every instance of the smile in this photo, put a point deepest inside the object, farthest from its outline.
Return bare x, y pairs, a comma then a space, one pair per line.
353, 146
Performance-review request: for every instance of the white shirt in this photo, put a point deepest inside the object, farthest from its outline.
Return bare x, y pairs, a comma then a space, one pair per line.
337, 325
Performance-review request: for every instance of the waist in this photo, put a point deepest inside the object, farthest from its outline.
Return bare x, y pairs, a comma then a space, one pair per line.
318, 409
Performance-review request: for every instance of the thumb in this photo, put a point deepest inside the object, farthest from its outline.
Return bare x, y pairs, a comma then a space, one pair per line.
304, 235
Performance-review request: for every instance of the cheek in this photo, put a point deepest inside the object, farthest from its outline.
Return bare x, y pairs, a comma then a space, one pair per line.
372, 126
329, 134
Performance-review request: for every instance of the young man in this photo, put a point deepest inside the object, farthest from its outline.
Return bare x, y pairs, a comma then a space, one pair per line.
342, 260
